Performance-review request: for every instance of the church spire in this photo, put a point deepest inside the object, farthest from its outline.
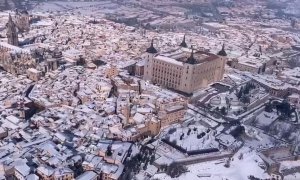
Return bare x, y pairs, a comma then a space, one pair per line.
12, 34
260, 50
191, 59
222, 52
151, 49
183, 43
9, 18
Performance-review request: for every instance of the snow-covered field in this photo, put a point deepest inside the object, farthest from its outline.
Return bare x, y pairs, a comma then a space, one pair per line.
87, 8
295, 176
239, 169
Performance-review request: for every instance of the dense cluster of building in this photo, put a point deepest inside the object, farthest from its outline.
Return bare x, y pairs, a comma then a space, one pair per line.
84, 97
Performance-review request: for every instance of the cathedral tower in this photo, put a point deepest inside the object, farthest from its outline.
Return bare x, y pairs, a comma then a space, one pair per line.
12, 34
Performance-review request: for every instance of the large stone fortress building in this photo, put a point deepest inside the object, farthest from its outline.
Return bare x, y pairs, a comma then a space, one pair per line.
183, 69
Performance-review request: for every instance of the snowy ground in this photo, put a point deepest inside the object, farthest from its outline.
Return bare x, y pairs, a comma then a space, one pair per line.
199, 138
265, 119
238, 170
87, 8
295, 176
259, 139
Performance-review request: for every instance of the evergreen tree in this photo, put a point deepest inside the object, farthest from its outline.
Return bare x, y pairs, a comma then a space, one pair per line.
285, 108
259, 70
108, 151
152, 159
240, 93
246, 89
175, 170
264, 68
245, 99
269, 107
189, 132
241, 156
223, 110
182, 135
